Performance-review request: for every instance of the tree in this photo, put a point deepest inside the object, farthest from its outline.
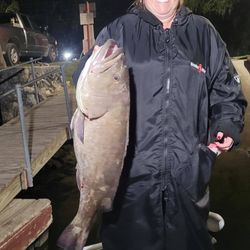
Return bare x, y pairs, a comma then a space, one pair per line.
5, 6
220, 7
13, 7
231, 18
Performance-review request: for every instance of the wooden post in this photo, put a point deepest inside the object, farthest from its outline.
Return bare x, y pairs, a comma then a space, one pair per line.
2, 61
87, 15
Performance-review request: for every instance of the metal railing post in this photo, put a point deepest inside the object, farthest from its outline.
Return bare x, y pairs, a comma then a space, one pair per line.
67, 100
35, 83
24, 136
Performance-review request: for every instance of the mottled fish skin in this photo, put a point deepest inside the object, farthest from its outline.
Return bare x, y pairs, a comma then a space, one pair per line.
100, 135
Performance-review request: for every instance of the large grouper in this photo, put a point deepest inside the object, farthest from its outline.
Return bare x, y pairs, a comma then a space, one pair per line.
100, 135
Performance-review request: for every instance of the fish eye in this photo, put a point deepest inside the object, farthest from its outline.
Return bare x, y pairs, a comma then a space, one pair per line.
116, 77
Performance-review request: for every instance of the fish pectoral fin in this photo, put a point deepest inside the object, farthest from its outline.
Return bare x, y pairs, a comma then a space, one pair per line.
77, 124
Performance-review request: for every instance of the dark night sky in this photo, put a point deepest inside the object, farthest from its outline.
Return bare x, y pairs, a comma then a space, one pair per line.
62, 17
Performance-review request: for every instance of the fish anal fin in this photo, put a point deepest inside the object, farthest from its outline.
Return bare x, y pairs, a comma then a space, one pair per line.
106, 204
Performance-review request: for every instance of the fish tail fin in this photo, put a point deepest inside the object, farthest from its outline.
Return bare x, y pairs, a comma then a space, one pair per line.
75, 235
72, 238
68, 238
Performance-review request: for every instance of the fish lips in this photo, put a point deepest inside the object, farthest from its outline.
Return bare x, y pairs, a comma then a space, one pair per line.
105, 56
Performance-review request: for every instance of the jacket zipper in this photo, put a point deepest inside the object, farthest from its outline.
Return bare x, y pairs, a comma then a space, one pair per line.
166, 170
165, 154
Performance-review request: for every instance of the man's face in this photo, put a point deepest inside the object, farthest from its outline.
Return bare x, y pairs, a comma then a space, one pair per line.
162, 8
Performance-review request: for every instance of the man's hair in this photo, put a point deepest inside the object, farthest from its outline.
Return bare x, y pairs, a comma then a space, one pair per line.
138, 3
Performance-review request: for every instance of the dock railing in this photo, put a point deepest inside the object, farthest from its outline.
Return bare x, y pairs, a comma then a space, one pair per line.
18, 90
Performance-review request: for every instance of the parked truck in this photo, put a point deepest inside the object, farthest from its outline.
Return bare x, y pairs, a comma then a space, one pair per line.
21, 37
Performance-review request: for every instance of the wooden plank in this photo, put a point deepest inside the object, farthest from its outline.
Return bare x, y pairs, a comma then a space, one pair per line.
49, 151
83, 8
10, 190
22, 221
86, 18
46, 130
14, 185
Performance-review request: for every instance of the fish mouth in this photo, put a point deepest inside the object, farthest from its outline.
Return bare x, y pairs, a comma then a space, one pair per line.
105, 53
112, 47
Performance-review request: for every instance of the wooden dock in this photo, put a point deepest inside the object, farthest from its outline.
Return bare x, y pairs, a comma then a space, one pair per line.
47, 131
23, 221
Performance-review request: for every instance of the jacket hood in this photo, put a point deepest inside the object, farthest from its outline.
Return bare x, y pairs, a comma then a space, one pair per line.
181, 15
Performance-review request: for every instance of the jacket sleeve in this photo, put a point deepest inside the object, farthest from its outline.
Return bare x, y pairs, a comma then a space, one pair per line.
100, 40
227, 103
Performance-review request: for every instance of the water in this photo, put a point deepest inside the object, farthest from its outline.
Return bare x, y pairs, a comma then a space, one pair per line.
56, 181
230, 196
230, 189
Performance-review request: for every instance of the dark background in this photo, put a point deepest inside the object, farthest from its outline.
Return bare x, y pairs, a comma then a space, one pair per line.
230, 186
62, 17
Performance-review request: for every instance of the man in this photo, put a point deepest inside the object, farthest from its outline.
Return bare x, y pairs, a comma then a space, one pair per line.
187, 107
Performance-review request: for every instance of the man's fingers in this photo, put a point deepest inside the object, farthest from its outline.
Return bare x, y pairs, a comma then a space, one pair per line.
96, 48
226, 144
222, 143
219, 136
214, 148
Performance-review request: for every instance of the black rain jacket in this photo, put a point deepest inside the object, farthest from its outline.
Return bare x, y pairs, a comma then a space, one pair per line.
184, 90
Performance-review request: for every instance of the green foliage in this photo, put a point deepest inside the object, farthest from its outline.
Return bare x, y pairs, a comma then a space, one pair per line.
13, 7
3, 6
6, 7
220, 7
231, 19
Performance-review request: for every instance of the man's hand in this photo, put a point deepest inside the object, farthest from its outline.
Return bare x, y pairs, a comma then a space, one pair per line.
222, 144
